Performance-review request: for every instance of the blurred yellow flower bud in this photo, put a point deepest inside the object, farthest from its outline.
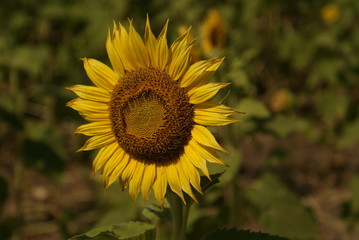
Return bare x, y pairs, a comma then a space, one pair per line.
330, 13
212, 33
281, 100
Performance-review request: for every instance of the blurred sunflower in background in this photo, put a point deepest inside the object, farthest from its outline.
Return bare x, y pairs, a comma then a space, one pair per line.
146, 114
212, 33
330, 13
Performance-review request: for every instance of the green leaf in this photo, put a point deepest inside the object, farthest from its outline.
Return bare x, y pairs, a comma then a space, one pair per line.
280, 210
354, 188
325, 71
41, 155
253, 108
332, 106
24, 58
350, 135
233, 159
206, 183
113, 208
154, 211
43, 147
124, 231
283, 125
235, 234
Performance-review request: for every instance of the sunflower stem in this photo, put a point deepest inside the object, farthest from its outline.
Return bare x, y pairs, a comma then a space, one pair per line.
179, 212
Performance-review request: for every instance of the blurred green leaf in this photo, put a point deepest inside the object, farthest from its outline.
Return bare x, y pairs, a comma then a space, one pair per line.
43, 147
280, 210
332, 105
235, 234
284, 125
349, 136
233, 159
31, 59
251, 10
125, 231
115, 206
354, 202
325, 71
40, 155
253, 108
13, 103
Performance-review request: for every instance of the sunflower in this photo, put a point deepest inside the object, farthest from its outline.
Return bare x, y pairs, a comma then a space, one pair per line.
330, 13
212, 33
147, 113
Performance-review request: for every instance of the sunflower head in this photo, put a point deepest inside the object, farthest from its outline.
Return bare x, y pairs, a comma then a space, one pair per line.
147, 114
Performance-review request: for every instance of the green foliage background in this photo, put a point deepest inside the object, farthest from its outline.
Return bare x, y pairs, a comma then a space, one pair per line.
294, 156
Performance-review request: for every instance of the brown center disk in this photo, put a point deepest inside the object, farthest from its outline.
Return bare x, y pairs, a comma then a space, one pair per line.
151, 116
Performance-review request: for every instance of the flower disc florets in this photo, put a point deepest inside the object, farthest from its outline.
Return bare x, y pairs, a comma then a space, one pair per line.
151, 116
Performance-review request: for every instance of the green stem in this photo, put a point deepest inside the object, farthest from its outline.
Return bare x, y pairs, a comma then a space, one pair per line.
185, 213
179, 213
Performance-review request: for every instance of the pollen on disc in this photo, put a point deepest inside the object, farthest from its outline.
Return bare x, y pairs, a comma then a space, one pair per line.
144, 116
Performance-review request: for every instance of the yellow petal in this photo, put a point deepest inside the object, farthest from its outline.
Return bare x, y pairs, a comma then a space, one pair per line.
128, 173
102, 156
118, 172
113, 172
193, 174
173, 181
88, 107
205, 92
95, 128
207, 74
91, 93
197, 160
138, 48
120, 44
162, 55
98, 141
136, 181
113, 55
211, 107
100, 74
203, 136
180, 56
209, 154
95, 117
124, 48
149, 177
212, 119
160, 185
150, 42
184, 179
200, 71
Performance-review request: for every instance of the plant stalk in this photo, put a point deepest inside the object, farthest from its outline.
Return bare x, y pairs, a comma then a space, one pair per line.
179, 212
